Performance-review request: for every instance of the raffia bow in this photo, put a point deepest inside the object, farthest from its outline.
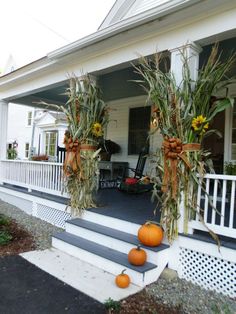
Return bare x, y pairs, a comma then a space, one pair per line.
174, 150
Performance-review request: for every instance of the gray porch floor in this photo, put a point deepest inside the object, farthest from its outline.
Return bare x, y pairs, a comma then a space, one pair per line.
136, 208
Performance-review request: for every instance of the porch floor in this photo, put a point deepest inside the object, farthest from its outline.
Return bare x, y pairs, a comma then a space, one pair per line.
136, 208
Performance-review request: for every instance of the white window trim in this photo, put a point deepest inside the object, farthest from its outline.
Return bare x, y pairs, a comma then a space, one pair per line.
229, 126
44, 141
31, 120
26, 150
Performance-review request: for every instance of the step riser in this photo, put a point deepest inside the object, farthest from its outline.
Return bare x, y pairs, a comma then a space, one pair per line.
111, 222
107, 265
113, 243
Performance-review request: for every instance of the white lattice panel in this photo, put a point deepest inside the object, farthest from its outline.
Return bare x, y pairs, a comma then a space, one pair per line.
208, 271
54, 216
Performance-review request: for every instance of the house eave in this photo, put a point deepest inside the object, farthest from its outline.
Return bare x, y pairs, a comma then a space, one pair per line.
121, 26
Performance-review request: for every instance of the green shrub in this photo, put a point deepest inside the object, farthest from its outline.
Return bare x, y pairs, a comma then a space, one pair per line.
4, 221
230, 168
112, 306
5, 237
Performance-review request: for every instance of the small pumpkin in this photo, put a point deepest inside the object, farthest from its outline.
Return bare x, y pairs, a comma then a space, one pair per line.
150, 234
137, 256
122, 280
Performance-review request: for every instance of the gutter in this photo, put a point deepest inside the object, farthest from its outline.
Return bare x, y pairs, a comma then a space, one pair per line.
154, 14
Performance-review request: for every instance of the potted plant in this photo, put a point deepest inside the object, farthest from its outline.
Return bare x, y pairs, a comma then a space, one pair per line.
11, 153
108, 148
230, 168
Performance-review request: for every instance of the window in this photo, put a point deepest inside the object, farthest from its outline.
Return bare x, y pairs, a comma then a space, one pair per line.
233, 157
26, 150
139, 126
29, 118
50, 143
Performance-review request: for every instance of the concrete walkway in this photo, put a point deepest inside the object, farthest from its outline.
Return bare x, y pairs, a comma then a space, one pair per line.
26, 289
80, 275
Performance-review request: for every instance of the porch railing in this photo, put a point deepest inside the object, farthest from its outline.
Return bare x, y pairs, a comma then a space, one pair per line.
33, 175
217, 205
216, 201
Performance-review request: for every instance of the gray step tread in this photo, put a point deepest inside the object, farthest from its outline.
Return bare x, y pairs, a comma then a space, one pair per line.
102, 251
113, 233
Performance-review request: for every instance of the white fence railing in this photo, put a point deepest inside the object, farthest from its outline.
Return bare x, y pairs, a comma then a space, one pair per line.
33, 175
216, 201
217, 205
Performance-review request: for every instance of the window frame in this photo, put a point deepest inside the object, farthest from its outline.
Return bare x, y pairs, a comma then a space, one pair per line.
29, 118
47, 143
27, 151
131, 152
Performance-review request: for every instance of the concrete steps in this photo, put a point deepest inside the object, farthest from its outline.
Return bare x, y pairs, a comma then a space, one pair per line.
107, 248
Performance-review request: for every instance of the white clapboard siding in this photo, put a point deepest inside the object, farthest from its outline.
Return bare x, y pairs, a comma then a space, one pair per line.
118, 130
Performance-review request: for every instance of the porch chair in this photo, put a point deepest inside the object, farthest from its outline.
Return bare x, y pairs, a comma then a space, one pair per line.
61, 154
138, 170
132, 184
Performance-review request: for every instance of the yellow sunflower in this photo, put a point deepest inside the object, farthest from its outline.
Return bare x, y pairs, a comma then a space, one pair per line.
97, 129
199, 123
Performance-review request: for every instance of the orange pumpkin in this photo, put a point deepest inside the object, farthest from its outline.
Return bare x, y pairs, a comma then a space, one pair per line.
150, 234
137, 256
122, 280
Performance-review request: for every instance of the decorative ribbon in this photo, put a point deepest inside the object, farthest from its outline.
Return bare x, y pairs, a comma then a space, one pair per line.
174, 150
72, 162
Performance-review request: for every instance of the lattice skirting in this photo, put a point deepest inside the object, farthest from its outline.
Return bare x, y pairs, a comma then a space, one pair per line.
52, 215
208, 271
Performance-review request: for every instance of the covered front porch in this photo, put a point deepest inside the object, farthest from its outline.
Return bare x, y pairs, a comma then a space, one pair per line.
37, 187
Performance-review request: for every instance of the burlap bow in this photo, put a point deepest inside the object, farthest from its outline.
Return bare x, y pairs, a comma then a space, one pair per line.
72, 162
174, 150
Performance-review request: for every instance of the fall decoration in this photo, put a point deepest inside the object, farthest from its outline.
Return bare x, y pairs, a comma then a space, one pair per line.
122, 280
87, 117
137, 256
150, 234
183, 114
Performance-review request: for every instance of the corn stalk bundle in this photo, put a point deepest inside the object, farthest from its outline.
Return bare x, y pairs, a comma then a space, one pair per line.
87, 117
183, 114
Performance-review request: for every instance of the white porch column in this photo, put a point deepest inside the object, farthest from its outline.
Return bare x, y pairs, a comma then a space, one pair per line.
191, 52
3, 128
3, 132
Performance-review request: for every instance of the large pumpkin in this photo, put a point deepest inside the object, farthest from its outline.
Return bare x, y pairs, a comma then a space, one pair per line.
122, 280
137, 256
150, 234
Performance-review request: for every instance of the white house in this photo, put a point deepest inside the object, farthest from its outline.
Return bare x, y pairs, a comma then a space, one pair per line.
133, 28
36, 129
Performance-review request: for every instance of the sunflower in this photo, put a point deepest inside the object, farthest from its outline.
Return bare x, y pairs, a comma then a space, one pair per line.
199, 123
97, 129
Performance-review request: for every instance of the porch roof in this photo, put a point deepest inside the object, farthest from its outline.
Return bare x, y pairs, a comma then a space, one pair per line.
101, 52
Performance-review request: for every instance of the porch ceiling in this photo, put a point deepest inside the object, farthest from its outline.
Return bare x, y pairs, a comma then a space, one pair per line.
118, 81
52, 95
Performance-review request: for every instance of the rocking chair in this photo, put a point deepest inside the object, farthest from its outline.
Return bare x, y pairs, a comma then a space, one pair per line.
134, 184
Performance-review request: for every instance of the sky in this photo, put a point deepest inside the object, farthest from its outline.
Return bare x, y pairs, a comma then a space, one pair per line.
29, 29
